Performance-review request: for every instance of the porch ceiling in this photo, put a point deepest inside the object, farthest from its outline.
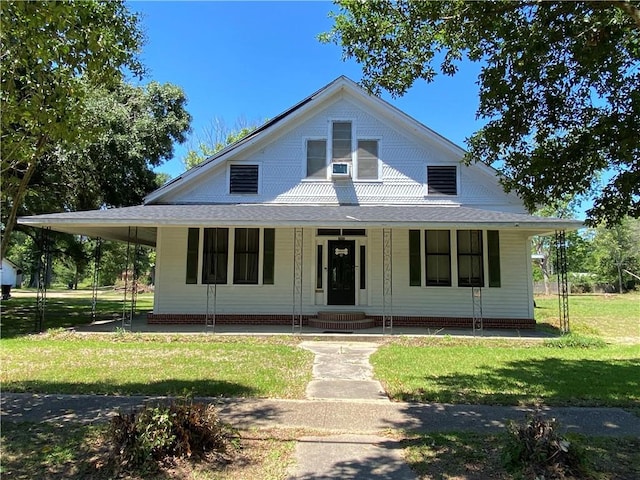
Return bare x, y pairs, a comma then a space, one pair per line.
114, 223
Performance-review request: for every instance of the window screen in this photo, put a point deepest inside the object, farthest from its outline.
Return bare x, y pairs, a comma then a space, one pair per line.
268, 258
368, 159
246, 253
470, 272
341, 138
215, 255
438, 257
415, 276
317, 158
493, 252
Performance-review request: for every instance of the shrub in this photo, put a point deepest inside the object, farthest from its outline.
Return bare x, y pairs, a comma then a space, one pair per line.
535, 449
161, 433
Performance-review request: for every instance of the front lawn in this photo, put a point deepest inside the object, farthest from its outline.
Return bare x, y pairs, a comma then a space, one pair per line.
126, 363
64, 309
613, 317
479, 371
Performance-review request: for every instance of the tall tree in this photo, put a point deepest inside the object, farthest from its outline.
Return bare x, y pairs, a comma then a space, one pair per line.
616, 249
50, 53
214, 138
558, 86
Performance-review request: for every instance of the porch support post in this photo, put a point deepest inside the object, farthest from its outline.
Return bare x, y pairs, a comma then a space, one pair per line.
476, 299
563, 285
97, 257
296, 316
387, 284
129, 303
44, 266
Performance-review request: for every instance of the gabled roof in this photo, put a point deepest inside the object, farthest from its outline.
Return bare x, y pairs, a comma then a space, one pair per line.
289, 116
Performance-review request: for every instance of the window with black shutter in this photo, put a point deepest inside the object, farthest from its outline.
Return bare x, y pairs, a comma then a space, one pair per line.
243, 178
442, 180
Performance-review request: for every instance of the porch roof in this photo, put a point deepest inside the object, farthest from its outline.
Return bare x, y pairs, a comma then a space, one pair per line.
115, 223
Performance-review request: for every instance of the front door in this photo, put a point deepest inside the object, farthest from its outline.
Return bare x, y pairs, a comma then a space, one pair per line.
342, 278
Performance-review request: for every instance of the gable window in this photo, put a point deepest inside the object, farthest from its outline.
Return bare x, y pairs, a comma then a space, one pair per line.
367, 159
246, 254
442, 180
470, 272
438, 258
215, 255
341, 142
243, 178
317, 158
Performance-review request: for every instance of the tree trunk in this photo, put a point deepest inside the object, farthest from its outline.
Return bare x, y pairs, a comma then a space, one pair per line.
19, 196
619, 279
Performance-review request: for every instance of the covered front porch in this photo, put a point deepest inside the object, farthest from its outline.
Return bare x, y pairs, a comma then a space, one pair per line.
330, 267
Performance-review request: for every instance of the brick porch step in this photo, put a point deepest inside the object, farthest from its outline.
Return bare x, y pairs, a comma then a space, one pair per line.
342, 321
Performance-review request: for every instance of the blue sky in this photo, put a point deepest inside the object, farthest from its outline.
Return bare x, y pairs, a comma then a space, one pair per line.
253, 60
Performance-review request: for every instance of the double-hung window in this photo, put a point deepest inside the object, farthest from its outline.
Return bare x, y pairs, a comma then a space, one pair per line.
317, 159
470, 268
438, 258
252, 248
215, 253
341, 147
367, 159
246, 255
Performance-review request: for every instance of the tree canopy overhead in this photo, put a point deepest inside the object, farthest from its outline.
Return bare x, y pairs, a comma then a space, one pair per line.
62, 62
559, 85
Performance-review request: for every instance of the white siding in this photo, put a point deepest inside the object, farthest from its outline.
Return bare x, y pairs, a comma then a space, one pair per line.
511, 300
404, 157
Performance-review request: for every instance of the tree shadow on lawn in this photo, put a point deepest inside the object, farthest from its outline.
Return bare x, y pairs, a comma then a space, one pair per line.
19, 314
52, 397
552, 381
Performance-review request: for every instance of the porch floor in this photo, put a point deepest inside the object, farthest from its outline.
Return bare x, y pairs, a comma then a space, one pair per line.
140, 324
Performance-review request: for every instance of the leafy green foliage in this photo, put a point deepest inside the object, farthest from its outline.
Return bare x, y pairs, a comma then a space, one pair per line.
537, 450
160, 433
215, 138
558, 86
53, 54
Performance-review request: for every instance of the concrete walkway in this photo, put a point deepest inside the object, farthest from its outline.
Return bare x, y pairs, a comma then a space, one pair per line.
343, 400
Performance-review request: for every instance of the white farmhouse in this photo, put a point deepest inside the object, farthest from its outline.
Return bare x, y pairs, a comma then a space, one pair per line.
341, 212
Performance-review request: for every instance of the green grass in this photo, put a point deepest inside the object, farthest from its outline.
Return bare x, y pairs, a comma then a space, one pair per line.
73, 451
64, 309
614, 317
485, 372
478, 456
155, 365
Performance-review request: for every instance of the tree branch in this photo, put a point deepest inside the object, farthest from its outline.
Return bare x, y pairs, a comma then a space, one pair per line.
19, 196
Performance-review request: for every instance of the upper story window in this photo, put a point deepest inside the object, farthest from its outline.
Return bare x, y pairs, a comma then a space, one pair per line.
341, 142
317, 159
243, 178
368, 159
364, 165
442, 180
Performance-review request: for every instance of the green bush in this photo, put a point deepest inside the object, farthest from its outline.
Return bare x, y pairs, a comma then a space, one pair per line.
575, 341
160, 433
535, 449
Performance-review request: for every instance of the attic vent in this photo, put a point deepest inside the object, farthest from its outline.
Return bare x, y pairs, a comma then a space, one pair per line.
442, 181
243, 179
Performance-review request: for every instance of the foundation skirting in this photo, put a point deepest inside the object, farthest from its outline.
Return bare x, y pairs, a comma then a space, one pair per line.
372, 321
